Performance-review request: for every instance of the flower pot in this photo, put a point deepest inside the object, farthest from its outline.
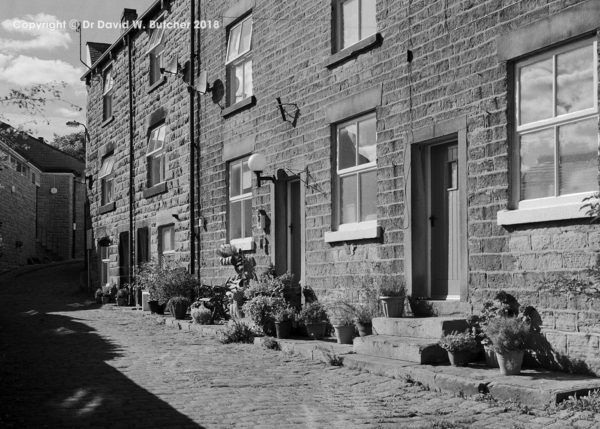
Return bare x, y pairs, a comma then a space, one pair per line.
460, 358
105, 299
393, 306
491, 359
344, 333
510, 362
283, 329
122, 301
316, 330
156, 308
364, 329
178, 310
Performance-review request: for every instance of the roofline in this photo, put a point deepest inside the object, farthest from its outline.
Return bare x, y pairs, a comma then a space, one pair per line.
132, 29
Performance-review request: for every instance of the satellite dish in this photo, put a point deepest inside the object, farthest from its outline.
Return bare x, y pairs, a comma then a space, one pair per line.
171, 67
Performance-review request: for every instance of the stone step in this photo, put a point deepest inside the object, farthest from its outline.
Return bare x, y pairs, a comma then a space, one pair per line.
418, 327
431, 307
418, 350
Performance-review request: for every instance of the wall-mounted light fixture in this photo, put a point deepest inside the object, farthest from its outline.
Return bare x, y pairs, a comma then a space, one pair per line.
257, 163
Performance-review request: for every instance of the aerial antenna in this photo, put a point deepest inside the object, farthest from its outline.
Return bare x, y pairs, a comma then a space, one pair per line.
78, 29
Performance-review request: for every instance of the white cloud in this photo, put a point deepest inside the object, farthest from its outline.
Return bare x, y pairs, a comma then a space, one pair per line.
68, 113
44, 32
23, 70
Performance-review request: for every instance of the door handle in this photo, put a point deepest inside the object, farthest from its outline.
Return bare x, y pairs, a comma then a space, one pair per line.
432, 219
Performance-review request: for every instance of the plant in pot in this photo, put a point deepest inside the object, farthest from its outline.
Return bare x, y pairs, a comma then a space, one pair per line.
98, 296
460, 347
508, 337
178, 306
364, 313
201, 314
392, 300
106, 294
314, 317
122, 297
284, 317
261, 310
341, 317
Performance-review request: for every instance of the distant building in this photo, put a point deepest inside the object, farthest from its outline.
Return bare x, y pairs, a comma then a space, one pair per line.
42, 198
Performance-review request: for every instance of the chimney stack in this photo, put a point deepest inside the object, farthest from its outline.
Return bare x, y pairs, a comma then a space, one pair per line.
129, 15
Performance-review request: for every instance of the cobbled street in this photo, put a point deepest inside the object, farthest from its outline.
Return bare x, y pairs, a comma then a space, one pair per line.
66, 362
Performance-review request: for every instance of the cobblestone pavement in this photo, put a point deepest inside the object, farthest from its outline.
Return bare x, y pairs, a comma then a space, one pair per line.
68, 363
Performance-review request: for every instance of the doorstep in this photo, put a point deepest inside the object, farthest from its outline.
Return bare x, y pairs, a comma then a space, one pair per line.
533, 387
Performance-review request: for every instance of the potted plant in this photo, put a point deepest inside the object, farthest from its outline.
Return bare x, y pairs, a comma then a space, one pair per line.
460, 347
341, 316
122, 297
261, 310
200, 314
392, 300
98, 296
363, 317
314, 317
508, 337
178, 306
284, 317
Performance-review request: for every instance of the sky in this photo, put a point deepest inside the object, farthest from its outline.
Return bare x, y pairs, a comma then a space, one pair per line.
37, 46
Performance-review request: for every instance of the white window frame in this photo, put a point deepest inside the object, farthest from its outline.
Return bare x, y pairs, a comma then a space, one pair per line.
356, 170
107, 91
104, 265
554, 122
156, 50
106, 177
243, 59
246, 235
339, 24
157, 154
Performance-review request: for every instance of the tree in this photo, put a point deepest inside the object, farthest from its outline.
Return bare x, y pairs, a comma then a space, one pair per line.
72, 144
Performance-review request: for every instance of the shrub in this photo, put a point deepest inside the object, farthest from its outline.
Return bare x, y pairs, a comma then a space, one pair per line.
201, 315
164, 283
313, 312
396, 290
122, 293
340, 312
366, 311
269, 284
236, 332
271, 344
507, 333
262, 309
459, 342
284, 314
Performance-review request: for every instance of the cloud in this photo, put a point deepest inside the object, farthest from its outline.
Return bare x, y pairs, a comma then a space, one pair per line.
68, 113
24, 70
45, 32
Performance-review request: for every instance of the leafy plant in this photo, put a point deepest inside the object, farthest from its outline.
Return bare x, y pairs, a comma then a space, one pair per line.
313, 312
459, 342
165, 282
122, 293
364, 312
269, 284
201, 315
270, 343
284, 314
236, 332
398, 289
507, 333
213, 298
261, 310
340, 312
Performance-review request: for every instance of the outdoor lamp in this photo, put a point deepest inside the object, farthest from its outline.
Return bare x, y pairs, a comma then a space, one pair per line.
257, 163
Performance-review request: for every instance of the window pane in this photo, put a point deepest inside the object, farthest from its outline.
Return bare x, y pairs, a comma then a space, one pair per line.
537, 164
155, 170
535, 83
575, 80
162, 159
347, 147
348, 199
350, 23
235, 220
248, 79
247, 217
234, 179
246, 178
168, 238
578, 145
238, 83
368, 196
246, 35
367, 150
368, 18
234, 42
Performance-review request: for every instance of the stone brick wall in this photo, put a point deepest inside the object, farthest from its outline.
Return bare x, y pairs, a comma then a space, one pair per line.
17, 218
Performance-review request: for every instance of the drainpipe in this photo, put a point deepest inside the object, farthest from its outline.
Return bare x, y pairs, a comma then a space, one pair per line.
192, 142
131, 160
199, 106
73, 216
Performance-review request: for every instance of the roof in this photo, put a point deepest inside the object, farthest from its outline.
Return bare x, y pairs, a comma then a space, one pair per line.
45, 157
96, 50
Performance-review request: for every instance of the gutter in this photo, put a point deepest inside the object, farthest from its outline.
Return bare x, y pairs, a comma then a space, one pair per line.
192, 90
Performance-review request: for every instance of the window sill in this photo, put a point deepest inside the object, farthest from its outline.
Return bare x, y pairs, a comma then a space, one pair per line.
244, 244
156, 84
107, 121
541, 214
239, 106
359, 233
352, 51
107, 208
161, 188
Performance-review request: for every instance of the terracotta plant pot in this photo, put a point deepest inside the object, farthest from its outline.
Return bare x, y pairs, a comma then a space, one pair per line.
510, 362
316, 330
393, 306
178, 310
461, 358
344, 333
156, 308
283, 329
491, 359
364, 329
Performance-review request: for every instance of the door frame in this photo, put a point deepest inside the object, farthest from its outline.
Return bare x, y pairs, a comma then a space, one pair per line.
417, 174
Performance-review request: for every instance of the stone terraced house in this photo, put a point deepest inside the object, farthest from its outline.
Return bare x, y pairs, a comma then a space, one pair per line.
444, 144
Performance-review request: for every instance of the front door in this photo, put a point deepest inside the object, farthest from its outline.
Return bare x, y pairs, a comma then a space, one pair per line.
444, 222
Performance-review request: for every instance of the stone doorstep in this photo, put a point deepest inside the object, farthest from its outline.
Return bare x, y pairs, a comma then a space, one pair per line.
533, 387
418, 350
418, 327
